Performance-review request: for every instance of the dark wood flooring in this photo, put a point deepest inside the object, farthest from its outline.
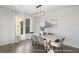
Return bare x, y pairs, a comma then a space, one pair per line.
25, 46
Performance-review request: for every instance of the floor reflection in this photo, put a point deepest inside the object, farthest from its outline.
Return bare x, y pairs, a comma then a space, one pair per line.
26, 46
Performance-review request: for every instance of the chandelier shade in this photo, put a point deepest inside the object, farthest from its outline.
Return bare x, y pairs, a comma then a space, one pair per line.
39, 11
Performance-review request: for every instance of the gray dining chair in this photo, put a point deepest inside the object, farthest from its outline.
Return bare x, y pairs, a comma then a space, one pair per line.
34, 39
40, 41
57, 44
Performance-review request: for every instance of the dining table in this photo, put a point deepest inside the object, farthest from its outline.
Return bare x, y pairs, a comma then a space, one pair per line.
51, 37
48, 38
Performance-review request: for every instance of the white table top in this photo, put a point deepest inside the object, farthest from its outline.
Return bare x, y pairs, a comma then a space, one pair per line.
51, 37
48, 37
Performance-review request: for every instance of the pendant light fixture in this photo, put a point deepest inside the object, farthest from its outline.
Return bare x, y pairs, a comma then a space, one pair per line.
39, 11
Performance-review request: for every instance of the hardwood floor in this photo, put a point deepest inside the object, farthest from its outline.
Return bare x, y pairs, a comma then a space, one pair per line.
25, 46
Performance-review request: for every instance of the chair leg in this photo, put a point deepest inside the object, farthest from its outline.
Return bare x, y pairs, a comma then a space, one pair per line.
37, 45
32, 43
53, 48
61, 50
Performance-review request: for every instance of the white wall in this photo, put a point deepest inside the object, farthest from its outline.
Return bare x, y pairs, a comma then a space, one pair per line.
37, 22
7, 26
68, 24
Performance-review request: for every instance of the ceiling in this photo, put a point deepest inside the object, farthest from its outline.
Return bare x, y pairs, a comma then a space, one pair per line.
31, 9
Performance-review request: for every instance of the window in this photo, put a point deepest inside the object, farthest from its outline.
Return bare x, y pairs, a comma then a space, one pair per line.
27, 25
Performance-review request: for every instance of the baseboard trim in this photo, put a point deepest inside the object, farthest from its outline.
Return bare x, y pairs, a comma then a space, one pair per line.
71, 45
7, 43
